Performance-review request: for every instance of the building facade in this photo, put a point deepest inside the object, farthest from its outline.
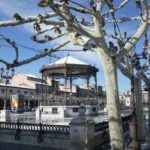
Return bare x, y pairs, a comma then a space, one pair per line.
34, 91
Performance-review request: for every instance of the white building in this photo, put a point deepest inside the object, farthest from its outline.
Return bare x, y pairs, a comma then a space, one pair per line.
125, 99
21, 84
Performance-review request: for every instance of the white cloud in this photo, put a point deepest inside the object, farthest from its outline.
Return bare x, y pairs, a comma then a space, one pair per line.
24, 8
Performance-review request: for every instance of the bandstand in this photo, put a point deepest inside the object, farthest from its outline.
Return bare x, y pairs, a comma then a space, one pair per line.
65, 103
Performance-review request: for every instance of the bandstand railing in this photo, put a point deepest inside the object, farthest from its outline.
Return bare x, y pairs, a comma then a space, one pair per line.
60, 100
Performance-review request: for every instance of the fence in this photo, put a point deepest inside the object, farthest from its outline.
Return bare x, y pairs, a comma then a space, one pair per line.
104, 125
58, 129
78, 135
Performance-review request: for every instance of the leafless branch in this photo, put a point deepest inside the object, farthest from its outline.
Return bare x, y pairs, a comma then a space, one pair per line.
4, 62
13, 44
55, 23
47, 38
80, 10
123, 3
124, 19
24, 20
81, 6
136, 37
33, 58
141, 75
71, 21
124, 70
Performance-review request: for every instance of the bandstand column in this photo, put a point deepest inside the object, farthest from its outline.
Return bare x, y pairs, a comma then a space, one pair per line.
88, 86
28, 103
53, 88
70, 87
38, 97
46, 94
42, 101
5, 99
45, 89
95, 77
65, 84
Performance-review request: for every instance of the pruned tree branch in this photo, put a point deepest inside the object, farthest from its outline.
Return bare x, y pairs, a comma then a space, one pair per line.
54, 23
33, 58
47, 38
81, 6
124, 19
13, 44
70, 20
125, 71
4, 62
141, 74
136, 37
24, 20
123, 3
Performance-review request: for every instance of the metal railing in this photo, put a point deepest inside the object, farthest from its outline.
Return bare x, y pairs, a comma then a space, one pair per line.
101, 126
57, 129
60, 100
104, 125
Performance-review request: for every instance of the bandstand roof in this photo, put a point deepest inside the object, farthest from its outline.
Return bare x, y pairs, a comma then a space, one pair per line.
68, 60
69, 66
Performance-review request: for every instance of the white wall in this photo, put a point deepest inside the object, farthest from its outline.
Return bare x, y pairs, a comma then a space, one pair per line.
46, 113
63, 112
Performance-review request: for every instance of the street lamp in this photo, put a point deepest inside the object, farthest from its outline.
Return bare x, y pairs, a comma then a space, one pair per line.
6, 75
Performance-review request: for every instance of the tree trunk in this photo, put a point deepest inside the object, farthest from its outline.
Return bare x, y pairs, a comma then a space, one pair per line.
148, 121
133, 121
139, 110
137, 123
149, 108
113, 106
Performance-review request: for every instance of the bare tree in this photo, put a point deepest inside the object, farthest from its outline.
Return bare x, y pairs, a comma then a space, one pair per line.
91, 34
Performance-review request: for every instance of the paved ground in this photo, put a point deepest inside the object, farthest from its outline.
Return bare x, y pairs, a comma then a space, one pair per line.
30, 117
12, 146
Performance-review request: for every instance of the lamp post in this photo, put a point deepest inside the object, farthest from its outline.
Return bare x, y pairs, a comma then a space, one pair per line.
6, 75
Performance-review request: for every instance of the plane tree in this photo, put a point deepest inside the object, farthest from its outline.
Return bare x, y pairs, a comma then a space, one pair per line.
86, 24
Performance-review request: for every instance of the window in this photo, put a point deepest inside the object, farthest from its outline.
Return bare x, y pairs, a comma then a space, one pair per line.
25, 92
75, 109
94, 109
54, 111
34, 79
18, 91
2, 90
11, 91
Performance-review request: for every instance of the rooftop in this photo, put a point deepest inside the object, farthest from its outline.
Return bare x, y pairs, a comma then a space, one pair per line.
68, 60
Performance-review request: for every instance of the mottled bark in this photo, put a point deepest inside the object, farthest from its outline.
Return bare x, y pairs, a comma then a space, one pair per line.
137, 121
149, 107
139, 109
113, 106
133, 121
24, 20
148, 132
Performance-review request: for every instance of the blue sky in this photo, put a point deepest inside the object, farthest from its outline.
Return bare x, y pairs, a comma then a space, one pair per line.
22, 35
